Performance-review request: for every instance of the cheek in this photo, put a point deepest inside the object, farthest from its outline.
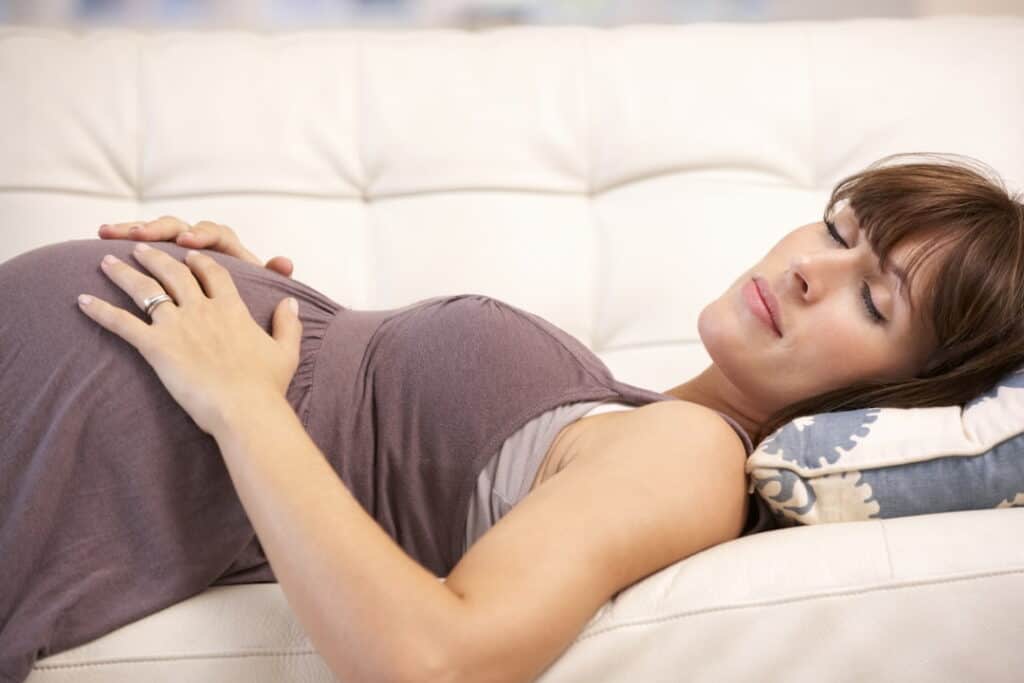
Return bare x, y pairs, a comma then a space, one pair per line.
843, 351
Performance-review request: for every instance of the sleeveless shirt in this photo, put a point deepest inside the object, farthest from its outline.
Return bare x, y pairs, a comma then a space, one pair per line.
115, 505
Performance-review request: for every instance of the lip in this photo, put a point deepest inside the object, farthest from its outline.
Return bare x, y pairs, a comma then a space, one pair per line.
770, 302
757, 306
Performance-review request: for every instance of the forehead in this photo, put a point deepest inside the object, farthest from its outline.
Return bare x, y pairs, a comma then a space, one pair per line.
901, 252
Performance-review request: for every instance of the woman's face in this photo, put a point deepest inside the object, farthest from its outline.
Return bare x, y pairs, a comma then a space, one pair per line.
830, 338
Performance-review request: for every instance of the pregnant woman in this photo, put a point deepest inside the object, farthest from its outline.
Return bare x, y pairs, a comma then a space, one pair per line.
185, 428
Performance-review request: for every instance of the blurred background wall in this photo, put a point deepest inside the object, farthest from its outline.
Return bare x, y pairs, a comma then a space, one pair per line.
467, 14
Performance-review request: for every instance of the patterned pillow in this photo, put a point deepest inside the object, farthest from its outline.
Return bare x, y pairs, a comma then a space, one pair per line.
894, 462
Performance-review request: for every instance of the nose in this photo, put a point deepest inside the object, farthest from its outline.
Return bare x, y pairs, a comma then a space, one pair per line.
812, 276
796, 272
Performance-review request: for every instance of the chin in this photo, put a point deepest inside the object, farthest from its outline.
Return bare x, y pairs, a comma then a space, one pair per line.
719, 340
715, 333
729, 349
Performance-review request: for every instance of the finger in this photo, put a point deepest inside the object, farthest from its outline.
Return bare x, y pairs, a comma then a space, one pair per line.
215, 278
136, 285
281, 265
219, 237
195, 238
286, 329
140, 286
174, 276
119, 321
117, 231
205, 235
161, 229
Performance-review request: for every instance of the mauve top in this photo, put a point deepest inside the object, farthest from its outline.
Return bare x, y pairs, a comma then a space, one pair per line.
115, 505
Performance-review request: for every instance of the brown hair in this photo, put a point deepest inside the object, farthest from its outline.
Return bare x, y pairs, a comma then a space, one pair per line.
975, 306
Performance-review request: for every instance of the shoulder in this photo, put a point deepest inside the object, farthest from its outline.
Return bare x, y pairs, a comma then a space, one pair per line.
643, 493
687, 420
662, 429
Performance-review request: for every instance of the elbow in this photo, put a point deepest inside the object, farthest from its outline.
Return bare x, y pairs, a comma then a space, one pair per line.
426, 673
437, 652
435, 665
454, 668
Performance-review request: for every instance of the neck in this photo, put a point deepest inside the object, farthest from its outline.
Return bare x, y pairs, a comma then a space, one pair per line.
712, 389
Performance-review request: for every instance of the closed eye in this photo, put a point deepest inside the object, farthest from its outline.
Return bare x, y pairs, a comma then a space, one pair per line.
873, 313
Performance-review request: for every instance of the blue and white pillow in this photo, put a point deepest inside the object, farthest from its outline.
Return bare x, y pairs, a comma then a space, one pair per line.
894, 462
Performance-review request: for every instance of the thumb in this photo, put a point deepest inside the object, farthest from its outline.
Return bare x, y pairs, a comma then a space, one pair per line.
287, 327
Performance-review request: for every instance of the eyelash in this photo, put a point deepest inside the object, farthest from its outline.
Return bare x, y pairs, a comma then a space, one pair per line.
873, 313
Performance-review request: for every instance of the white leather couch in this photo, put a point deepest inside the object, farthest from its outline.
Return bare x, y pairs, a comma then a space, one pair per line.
613, 181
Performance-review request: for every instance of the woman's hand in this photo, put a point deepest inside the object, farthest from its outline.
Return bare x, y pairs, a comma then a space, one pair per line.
205, 346
202, 235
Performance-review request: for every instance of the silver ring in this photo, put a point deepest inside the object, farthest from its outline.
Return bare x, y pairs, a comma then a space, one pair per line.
154, 301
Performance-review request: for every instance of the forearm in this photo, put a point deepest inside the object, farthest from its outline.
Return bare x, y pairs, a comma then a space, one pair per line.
370, 610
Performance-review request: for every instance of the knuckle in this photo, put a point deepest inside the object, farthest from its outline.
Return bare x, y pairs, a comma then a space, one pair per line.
145, 344
163, 262
111, 318
180, 267
152, 288
169, 222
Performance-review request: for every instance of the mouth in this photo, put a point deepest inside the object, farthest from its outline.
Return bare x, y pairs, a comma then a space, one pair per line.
770, 302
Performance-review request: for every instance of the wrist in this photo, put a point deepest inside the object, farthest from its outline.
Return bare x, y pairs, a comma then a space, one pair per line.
247, 410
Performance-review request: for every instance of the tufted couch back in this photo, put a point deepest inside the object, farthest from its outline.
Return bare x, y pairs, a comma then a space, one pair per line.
614, 181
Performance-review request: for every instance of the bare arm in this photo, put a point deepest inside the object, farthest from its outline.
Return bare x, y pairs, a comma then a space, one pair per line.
371, 611
664, 482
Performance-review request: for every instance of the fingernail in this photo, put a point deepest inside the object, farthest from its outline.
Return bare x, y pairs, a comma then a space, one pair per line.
293, 304
84, 299
142, 246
